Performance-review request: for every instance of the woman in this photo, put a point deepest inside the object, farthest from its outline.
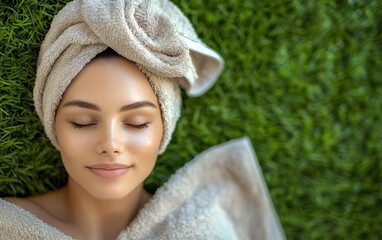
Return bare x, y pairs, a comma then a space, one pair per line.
107, 93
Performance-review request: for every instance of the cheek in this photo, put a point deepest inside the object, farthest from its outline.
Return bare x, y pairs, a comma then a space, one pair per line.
147, 141
72, 140
73, 145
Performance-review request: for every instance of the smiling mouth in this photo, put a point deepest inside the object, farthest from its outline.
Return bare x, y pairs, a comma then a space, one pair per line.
109, 170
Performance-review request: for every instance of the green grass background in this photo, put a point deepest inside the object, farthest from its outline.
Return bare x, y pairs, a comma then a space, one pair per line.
302, 80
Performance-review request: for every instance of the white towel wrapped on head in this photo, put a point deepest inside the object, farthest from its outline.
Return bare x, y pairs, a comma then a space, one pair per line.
154, 34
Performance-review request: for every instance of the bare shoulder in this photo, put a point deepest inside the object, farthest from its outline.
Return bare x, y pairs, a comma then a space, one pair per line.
21, 202
41, 205
11, 207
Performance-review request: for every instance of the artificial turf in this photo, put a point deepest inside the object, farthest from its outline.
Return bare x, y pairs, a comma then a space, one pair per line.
303, 79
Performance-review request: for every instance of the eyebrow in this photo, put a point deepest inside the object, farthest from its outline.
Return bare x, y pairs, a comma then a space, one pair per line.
91, 106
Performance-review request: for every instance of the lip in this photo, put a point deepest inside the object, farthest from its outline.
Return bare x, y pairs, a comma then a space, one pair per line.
109, 170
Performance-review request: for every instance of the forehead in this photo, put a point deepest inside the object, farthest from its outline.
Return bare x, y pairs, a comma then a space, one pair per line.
110, 79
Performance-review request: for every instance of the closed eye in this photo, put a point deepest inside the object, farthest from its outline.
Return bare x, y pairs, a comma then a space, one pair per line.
138, 126
79, 126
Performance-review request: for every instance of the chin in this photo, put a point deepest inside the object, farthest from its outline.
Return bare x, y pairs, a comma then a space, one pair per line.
103, 190
111, 192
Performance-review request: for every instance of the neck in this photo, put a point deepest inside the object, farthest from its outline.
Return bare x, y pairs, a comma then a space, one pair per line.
101, 219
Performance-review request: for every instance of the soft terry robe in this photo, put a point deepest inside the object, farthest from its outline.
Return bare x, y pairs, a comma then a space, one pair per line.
221, 194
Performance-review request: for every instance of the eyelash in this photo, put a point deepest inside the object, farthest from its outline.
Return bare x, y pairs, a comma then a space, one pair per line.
140, 126
79, 126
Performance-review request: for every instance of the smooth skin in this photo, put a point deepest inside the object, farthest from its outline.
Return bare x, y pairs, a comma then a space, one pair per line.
108, 115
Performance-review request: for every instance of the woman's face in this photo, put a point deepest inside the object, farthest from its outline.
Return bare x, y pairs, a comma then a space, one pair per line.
109, 128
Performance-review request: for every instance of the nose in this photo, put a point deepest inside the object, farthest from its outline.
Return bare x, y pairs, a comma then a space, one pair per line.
110, 140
